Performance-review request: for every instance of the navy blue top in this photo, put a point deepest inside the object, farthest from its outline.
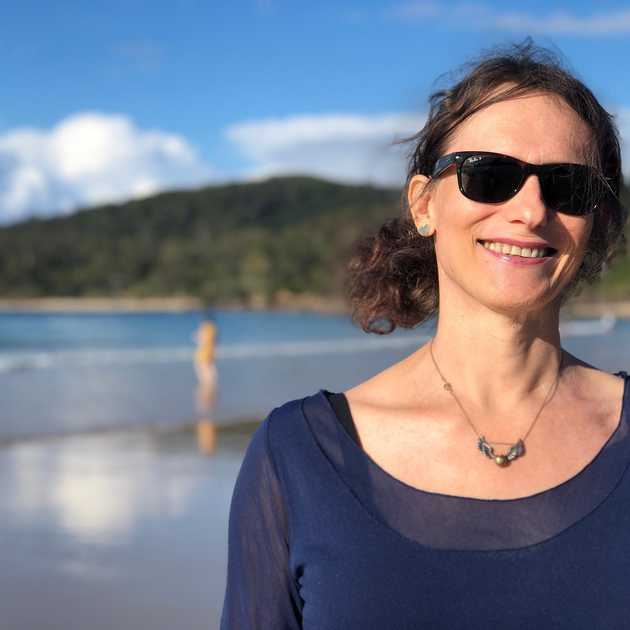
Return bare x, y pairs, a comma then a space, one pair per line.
322, 538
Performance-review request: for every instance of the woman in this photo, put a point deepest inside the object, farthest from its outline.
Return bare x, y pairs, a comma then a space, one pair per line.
480, 481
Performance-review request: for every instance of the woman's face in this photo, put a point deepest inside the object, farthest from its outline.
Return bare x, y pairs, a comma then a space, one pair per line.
535, 128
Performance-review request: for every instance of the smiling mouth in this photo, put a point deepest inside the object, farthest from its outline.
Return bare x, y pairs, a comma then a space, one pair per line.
546, 252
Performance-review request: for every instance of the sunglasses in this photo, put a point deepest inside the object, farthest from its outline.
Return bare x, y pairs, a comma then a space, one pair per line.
575, 189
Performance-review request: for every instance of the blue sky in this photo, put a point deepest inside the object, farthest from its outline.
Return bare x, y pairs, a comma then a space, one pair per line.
107, 101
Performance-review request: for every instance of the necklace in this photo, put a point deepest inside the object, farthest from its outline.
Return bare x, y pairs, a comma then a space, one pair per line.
516, 449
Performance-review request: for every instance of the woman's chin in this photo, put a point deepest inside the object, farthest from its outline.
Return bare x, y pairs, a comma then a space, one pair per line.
520, 303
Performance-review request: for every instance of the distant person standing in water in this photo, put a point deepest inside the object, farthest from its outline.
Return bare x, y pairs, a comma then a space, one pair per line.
205, 337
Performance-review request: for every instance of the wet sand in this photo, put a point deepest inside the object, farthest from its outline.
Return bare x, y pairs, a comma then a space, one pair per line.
283, 300
124, 530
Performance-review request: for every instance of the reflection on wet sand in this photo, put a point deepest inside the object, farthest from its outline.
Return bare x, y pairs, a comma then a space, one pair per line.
206, 437
133, 526
206, 396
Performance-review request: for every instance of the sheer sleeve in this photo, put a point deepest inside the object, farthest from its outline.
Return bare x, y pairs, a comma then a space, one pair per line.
261, 592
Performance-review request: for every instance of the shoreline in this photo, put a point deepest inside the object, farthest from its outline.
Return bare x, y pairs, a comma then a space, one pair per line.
285, 302
618, 308
177, 304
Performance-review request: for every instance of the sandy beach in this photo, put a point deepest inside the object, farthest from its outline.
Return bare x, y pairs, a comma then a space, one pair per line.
284, 300
100, 304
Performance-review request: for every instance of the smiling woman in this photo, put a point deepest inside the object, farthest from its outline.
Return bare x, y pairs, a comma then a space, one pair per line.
388, 505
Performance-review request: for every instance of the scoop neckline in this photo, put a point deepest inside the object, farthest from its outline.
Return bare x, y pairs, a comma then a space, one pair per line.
454, 497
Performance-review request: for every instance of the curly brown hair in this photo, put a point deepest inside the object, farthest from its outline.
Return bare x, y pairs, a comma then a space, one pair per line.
392, 275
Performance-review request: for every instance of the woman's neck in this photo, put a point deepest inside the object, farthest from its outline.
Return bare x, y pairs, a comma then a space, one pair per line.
495, 362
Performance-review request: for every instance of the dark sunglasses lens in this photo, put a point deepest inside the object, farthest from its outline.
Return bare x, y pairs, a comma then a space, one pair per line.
490, 179
571, 189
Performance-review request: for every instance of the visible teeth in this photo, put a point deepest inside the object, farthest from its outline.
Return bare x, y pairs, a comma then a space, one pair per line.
513, 250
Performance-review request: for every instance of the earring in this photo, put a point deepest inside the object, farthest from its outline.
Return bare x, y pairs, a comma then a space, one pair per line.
425, 229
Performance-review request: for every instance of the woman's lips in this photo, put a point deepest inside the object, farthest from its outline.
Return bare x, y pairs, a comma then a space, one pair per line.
516, 260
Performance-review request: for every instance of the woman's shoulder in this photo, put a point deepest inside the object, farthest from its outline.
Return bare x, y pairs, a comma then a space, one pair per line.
278, 436
593, 382
287, 411
600, 394
284, 424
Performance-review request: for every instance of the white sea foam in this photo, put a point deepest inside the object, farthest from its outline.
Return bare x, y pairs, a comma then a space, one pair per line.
18, 361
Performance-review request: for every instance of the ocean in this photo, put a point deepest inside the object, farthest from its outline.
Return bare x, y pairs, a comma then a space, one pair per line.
68, 373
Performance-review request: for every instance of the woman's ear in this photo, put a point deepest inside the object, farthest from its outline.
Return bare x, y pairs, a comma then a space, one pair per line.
418, 196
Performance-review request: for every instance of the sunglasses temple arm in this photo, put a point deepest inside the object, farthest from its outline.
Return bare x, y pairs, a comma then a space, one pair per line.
612, 190
442, 164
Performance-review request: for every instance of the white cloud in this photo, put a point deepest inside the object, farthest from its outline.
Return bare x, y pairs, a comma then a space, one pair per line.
349, 148
346, 148
480, 16
90, 158
563, 23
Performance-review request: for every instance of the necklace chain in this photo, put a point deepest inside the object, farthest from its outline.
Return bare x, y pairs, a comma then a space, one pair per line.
516, 449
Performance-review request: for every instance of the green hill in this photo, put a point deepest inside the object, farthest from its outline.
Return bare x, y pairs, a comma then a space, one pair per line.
224, 244
220, 243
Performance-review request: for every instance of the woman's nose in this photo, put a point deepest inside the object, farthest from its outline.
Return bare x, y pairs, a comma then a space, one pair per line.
528, 205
